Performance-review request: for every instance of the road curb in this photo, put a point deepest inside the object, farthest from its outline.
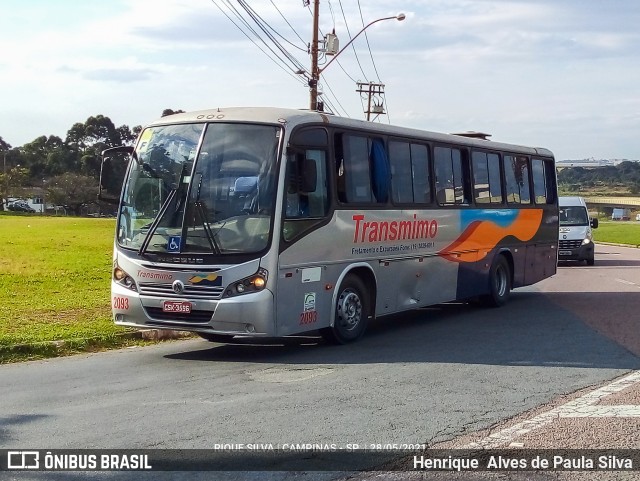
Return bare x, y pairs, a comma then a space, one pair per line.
617, 245
69, 344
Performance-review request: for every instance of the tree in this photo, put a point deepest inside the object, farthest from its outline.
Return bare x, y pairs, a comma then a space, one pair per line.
625, 174
34, 156
128, 136
11, 183
90, 138
50, 157
4, 148
74, 191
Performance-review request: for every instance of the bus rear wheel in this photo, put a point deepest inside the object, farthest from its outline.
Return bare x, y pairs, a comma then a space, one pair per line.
499, 283
215, 337
352, 312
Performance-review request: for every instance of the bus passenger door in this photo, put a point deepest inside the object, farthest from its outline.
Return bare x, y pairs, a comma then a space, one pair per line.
303, 303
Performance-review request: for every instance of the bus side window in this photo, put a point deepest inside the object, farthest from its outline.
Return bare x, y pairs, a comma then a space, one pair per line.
401, 174
341, 184
362, 169
516, 173
410, 179
306, 194
452, 175
356, 169
542, 182
487, 186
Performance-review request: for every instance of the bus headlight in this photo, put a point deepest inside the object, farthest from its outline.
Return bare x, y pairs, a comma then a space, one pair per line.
122, 278
586, 241
253, 283
259, 282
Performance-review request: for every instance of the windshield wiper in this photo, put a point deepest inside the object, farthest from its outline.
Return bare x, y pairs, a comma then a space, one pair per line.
163, 209
156, 222
211, 237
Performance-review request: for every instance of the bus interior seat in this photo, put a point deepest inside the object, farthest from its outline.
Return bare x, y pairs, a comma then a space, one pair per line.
245, 190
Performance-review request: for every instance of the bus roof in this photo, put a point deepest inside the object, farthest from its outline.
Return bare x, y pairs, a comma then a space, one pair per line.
293, 117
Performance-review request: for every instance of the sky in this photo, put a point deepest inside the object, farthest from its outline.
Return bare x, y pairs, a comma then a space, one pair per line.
560, 74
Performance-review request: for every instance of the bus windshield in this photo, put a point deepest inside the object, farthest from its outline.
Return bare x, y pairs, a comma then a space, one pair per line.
200, 188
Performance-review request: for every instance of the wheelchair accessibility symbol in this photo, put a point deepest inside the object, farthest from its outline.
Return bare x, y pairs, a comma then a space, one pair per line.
174, 244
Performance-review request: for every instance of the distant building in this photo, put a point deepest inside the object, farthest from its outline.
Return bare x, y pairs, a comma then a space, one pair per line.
591, 163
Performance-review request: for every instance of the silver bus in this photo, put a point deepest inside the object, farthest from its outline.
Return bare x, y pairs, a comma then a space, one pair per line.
272, 222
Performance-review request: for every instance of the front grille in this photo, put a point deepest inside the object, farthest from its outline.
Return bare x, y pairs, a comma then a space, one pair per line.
570, 244
166, 290
195, 317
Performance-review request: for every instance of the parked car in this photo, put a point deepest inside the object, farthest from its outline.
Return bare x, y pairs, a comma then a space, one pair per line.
20, 206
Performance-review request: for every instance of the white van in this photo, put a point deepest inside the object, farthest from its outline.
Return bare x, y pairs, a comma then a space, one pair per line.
575, 237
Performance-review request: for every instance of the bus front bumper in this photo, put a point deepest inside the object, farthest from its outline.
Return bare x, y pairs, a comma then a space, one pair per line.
248, 315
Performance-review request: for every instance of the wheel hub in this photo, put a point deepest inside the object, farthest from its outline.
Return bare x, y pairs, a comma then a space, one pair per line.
349, 309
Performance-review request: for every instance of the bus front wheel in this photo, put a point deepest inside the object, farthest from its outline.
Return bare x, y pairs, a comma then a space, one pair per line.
352, 311
499, 283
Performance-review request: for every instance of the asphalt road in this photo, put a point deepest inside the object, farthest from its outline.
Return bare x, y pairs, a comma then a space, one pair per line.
423, 377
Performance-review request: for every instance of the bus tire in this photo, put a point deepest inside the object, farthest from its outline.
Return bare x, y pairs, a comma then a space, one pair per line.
499, 283
215, 337
352, 312
591, 260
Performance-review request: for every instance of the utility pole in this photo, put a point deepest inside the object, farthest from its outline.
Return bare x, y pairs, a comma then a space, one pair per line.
315, 71
372, 90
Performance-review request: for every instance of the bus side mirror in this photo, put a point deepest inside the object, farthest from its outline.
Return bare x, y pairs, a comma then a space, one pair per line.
594, 223
127, 149
105, 176
308, 175
107, 171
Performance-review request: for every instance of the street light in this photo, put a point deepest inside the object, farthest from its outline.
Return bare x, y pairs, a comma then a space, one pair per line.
316, 70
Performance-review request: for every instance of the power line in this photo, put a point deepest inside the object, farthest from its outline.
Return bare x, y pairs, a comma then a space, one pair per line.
265, 29
333, 17
266, 38
255, 16
278, 61
337, 101
349, 33
367, 39
287, 21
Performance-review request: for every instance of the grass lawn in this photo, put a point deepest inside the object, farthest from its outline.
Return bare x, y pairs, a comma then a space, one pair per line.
618, 232
54, 281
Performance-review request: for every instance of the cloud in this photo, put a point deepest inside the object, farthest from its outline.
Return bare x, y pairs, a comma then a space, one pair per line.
532, 71
119, 75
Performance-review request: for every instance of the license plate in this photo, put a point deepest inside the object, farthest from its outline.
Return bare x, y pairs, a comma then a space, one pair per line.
565, 253
182, 307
